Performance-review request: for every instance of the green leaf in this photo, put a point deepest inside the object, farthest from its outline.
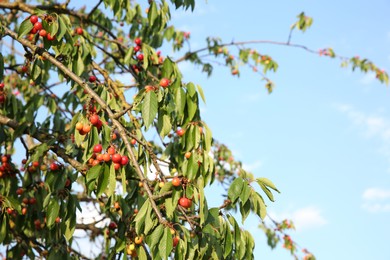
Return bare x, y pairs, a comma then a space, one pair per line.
3, 227
166, 243
111, 181
102, 181
228, 241
62, 27
141, 253
180, 100
258, 204
155, 236
192, 106
167, 68
70, 226
235, 189
153, 13
53, 209
149, 108
244, 195
245, 209
140, 218
200, 90
93, 172
264, 183
164, 124
25, 27
150, 221
123, 179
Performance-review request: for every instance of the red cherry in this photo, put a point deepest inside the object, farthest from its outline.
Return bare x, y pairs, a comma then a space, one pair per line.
117, 158
43, 33
138, 41
95, 162
1, 85
79, 30
137, 48
38, 26
140, 57
124, 160
32, 201
33, 31
164, 82
106, 157
176, 181
94, 119
19, 191
50, 38
111, 150
34, 19
92, 78
54, 166
185, 202
35, 164
176, 240
180, 132
112, 225
98, 148
133, 141
117, 166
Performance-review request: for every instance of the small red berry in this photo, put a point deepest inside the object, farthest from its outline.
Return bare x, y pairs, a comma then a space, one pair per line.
185, 202
137, 48
117, 166
133, 141
43, 33
1, 85
138, 41
176, 181
140, 57
176, 240
92, 78
112, 225
111, 150
180, 132
54, 166
79, 30
97, 148
33, 19
164, 82
94, 119
124, 160
38, 26
117, 158
49, 37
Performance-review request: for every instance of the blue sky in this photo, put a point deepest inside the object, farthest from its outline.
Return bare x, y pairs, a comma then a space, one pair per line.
323, 135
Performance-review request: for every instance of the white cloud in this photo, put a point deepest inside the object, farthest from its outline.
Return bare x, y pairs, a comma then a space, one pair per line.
376, 207
375, 126
376, 200
304, 218
252, 166
376, 194
367, 79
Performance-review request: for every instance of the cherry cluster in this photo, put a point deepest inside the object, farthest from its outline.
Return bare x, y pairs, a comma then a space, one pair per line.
7, 168
38, 28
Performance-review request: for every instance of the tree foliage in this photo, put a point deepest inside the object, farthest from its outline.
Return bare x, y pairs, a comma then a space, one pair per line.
89, 138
